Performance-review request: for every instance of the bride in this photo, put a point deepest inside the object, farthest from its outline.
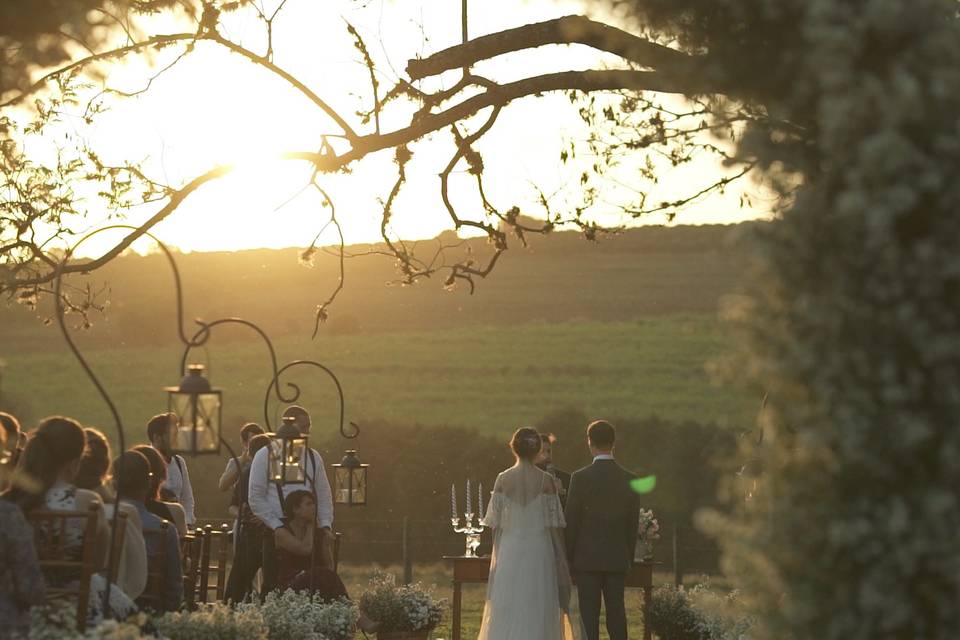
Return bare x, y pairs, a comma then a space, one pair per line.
528, 594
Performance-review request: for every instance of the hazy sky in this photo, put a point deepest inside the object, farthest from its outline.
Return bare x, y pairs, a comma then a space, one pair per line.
215, 107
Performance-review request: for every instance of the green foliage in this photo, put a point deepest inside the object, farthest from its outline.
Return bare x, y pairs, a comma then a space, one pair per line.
400, 607
301, 616
697, 614
213, 622
853, 328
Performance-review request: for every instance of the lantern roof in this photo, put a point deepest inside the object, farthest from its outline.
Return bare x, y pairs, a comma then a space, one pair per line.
194, 381
289, 430
351, 460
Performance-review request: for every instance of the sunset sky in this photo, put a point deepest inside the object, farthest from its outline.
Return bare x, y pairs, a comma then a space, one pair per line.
215, 107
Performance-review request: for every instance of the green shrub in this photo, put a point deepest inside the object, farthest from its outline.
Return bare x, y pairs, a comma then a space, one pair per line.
697, 614
213, 622
400, 608
295, 615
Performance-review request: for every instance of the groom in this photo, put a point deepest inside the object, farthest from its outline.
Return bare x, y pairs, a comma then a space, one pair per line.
602, 514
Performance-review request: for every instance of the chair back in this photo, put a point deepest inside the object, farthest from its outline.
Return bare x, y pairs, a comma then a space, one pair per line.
218, 545
191, 547
156, 541
116, 549
66, 570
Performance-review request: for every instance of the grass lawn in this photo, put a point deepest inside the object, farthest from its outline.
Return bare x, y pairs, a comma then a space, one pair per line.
438, 577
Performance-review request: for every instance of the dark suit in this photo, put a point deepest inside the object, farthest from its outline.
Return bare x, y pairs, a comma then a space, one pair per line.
602, 519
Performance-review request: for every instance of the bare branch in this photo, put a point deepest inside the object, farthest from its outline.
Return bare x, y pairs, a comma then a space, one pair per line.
566, 30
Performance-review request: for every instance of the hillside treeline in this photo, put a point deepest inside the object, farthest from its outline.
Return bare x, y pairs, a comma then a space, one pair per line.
558, 278
412, 468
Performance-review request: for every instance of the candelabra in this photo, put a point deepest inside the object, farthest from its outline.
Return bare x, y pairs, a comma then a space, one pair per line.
469, 529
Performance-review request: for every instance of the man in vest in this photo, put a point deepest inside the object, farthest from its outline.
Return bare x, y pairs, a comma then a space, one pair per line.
177, 488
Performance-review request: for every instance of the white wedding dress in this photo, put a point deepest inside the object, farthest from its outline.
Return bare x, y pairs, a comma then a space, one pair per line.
528, 594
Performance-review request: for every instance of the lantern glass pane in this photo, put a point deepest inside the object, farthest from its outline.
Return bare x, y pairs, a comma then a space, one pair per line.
359, 486
181, 439
208, 421
342, 485
285, 461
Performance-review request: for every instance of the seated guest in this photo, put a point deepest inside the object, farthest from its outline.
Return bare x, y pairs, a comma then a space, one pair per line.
52, 458
10, 452
22, 585
248, 553
234, 465
133, 485
131, 570
297, 551
170, 511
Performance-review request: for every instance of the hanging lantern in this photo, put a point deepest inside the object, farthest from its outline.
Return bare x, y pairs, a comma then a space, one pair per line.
198, 405
350, 481
288, 451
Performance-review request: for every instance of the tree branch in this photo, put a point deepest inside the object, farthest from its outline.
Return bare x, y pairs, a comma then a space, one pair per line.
566, 30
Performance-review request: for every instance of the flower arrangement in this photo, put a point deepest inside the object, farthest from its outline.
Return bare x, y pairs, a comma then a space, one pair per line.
400, 607
698, 613
648, 531
58, 621
212, 622
293, 615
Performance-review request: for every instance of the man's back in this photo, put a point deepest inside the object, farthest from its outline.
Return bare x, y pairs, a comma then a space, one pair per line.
602, 513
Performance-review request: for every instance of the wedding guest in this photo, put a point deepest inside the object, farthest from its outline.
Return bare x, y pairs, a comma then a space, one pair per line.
230, 474
170, 511
544, 462
160, 432
301, 565
248, 551
134, 486
22, 585
264, 496
52, 458
131, 570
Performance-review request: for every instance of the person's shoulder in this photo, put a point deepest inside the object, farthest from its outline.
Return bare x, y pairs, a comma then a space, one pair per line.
86, 497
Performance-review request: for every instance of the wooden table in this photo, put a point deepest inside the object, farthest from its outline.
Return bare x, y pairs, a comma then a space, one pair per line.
477, 570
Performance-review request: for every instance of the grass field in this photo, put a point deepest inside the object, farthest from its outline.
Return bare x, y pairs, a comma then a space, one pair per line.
438, 577
486, 378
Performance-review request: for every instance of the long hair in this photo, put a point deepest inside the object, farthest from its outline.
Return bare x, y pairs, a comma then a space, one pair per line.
158, 467
95, 464
55, 443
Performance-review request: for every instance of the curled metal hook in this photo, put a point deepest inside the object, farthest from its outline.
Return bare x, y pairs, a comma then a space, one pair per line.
354, 427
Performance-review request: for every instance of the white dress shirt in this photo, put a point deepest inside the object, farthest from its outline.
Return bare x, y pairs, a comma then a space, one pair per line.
265, 501
603, 456
178, 482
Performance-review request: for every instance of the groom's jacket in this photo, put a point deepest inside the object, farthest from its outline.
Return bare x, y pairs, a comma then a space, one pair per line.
602, 516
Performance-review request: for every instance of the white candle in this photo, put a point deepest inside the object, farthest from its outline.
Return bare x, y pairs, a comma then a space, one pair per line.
480, 502
453, 501
469, 502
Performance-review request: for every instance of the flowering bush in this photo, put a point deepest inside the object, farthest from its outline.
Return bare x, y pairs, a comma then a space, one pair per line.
213, 622
697, 614
401, 608
58, 621
295, 615
648, 531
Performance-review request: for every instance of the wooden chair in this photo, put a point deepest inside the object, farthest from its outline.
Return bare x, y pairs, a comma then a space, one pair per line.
216, 543
61, 566
191, 547
117, 549
156, 539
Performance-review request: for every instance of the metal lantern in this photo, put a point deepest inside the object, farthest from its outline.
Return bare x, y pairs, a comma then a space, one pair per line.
350, 481
198, 406
288, 451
